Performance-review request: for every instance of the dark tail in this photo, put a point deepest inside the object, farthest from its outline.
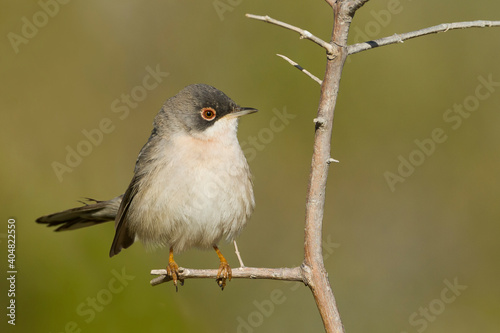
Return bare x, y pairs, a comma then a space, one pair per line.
85, 216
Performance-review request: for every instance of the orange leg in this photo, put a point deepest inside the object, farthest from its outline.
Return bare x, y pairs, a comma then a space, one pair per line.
224, 272
173, 269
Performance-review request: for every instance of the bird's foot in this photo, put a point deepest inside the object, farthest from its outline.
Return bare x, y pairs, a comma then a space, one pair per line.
173, 270
223, 274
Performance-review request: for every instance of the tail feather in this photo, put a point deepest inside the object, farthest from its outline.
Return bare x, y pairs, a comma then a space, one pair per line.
80, 217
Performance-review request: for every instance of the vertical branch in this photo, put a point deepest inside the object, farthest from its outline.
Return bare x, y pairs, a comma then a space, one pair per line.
313, 257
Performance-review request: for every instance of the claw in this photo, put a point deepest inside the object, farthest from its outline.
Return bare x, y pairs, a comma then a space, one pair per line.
224, 272
173, 270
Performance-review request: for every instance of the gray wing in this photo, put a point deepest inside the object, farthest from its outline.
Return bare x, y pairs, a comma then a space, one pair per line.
123, 237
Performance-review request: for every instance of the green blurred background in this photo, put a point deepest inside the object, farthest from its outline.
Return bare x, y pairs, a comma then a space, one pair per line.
389, 252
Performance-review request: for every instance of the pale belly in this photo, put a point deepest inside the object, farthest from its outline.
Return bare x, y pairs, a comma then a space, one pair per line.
195, 203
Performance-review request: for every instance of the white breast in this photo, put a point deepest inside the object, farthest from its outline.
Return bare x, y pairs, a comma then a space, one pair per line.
201, 193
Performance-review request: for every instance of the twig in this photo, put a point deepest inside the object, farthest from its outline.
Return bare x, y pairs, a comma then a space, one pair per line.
304, 34
330, 2
400, 38
286, 274
354, 5
300, 68
238, 254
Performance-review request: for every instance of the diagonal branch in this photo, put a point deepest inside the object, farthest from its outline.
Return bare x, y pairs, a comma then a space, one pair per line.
355, 5
331, 2
238, 255
400, 38
300, 68
285, 274
304, 34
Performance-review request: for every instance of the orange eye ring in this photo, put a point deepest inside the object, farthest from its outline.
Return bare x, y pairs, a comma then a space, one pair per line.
208, 114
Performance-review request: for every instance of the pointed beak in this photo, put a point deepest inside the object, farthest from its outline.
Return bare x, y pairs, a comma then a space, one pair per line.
241, 111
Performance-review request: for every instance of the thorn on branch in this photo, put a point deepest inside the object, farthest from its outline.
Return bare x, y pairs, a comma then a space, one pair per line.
332, 160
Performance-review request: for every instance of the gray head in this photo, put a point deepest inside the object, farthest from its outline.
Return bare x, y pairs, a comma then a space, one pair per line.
197, 109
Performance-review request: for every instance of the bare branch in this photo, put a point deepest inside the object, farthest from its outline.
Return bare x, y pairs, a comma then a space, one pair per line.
355, 5
304, 34
238, 254
314, 267
285, 274
300, 68
331, 2
400, 38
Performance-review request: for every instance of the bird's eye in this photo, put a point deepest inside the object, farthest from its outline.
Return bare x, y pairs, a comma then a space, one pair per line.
208, 114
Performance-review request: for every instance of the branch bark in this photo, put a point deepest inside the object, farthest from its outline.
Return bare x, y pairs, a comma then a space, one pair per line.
400, 38
304, 34
238, 255
284, 274
300, 68
353, 6
313, 257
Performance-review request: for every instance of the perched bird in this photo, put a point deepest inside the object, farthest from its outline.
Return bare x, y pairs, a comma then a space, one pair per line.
191, 187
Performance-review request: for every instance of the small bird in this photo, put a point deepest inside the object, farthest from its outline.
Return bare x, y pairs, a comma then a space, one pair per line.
191, 187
